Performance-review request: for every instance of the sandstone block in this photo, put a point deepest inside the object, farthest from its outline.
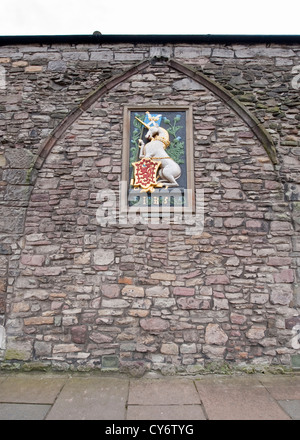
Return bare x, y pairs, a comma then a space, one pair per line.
215, 335
187, 84
39, 320
100, 338
164, 303
233, 222
259, 298
217, 279
65, 348
256, 332
79, 334
156, 325
236, 318
284, 276
188, 348
115, 303
110, 290
33, 260
133, 291
184, 291
281, 294
42, 349
163, 276
189, 303
103, 257
33, 69
48, 271
169, 349
157, 291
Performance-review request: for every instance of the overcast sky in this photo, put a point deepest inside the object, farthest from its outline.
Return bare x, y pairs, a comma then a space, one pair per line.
75, 17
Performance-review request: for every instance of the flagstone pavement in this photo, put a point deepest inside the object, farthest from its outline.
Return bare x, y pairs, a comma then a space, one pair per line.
82, 396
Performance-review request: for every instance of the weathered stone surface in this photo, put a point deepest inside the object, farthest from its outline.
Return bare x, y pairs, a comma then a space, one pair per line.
103, 257
215, 335
256, 332
18, 350
12, 219
189, 303
184, 291
154, 324
157, 291
187, 84
281, 294
79, 334
39, 320
169, 349
110, 290
100, 338
217, 279
133, 291
32, 260
115, 303
162, 276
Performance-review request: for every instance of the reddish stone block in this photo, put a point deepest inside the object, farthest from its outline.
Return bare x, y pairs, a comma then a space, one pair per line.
32, 260
184, 291
217, 279
285, 276
155, 325
79, 334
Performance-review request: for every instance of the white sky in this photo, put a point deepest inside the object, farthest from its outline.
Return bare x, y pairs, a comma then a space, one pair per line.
75, 17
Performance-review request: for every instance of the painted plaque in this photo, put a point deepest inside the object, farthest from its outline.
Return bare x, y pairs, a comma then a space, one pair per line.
158, 159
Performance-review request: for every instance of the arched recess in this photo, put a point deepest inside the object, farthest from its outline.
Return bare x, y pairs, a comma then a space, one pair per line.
229, 99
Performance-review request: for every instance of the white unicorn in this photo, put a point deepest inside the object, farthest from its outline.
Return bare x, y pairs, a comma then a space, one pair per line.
158, 141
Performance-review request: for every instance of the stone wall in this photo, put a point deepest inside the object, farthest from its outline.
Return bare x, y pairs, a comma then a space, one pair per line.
78, 295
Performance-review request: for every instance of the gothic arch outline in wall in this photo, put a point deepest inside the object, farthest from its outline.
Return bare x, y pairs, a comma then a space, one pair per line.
229, 100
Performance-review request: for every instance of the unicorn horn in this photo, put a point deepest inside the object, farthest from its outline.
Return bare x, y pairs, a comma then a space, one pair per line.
145, 125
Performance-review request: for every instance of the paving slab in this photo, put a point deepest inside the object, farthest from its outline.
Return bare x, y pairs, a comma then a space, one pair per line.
23, 411
163, 392
292, 407
165, 412
31, 388
238, 398
91, 398
282, 387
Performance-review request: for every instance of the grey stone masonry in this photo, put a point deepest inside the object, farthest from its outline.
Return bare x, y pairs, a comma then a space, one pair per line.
153, 295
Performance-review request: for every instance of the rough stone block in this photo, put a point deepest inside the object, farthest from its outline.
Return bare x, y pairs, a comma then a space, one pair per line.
281, 294
154, 324
184, 291
79, 334
215, 335
103, 257
163, 276
133, 291
169, 349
